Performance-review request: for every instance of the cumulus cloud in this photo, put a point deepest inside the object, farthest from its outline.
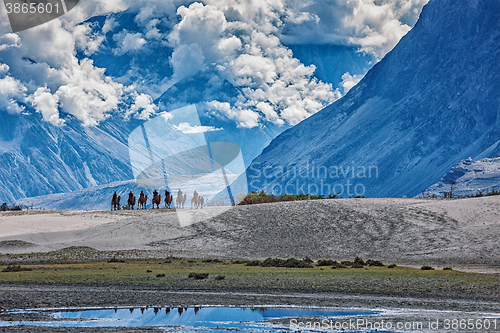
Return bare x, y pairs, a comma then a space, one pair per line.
186, 128
46, 104
349, 81
273, 85
143, 106
128, 42
375, 26
12, 92
241, 42
44, 72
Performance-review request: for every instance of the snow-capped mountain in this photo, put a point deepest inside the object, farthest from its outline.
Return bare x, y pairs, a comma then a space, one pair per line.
38, 158
468, 177
432, 101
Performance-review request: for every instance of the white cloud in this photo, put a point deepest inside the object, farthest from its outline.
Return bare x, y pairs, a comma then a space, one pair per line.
109, 25
45, 73
374, 25
186, 128
349, 81
46, 104
237, 41
12, 92
143, 106
128, 42
273, 84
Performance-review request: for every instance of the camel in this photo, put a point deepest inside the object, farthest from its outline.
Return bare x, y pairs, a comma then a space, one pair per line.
196, 200
115, 202
181, 200
156, 200
131, 202
143, 200
184, 200
168, 199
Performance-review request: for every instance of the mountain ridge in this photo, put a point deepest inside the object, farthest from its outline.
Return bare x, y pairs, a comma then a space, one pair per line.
432, 101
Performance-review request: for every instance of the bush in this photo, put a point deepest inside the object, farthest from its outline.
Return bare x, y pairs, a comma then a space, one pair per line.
276, 262
370, 262
447, 269
427, 268
308, 260
212, 260
358, 261
114, 259
14, 268
337, 265
296, 263
4, 207
346, 263
240, 262
392, 266
357, 265
160, 275
253, 263
219, 277
17, 208
328, 262
198, 276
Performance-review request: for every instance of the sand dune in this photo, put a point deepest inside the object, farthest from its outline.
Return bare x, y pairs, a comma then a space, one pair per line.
413, 231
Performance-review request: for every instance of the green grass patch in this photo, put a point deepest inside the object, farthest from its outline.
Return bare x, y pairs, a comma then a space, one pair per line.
225, 275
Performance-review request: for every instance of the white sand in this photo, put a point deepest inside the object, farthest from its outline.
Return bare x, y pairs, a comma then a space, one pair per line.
459, 233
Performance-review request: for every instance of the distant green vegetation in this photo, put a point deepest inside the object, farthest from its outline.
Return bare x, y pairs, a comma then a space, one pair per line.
220, 275
4, 207
481, 194
263, 197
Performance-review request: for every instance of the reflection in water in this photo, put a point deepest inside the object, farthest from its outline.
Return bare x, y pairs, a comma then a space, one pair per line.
208, 319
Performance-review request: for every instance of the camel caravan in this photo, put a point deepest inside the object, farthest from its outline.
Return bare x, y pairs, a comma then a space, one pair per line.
197, 200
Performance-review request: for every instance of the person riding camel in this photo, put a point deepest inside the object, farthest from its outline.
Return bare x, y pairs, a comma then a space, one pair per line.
155, 193
179, 193
167, 193
195, 195
141, 195
131, 195
114, 197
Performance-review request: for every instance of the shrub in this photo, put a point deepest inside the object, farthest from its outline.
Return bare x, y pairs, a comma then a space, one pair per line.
328, 262
392, 266
253, 263
357, 265
427, 268
337, 265
447, 269
14, 268
114, 259
160, 275
239, 262
308, 260
358, 261
4, 207
212, 260
346, 263
220, 277
374, 263
17, 208
198, 276
296, 263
